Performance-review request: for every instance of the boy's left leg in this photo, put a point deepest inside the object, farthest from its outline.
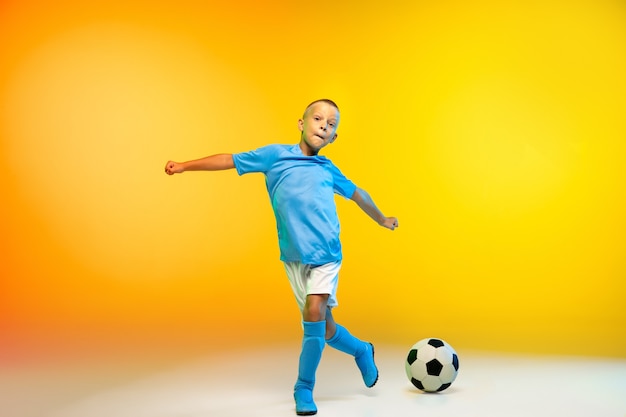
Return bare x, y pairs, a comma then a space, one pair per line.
363, 352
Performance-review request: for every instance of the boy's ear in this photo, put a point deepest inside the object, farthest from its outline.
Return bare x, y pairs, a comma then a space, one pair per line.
334, 138
300, 125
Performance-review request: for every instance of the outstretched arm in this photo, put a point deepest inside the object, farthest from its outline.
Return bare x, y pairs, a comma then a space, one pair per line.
216, 162
365, 202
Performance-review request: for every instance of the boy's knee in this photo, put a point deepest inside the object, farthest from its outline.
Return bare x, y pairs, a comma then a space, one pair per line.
312, 314
315, 307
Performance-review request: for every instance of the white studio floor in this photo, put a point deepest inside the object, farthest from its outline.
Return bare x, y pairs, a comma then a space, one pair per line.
259, 383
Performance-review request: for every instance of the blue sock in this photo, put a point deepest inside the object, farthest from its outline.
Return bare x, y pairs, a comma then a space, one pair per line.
342, 340
363, 353
312, 347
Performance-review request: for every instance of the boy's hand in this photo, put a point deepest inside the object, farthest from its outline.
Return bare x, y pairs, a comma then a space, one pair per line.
172, 168
390, 223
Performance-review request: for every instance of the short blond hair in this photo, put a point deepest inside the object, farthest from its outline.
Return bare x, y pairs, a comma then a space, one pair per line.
321, 100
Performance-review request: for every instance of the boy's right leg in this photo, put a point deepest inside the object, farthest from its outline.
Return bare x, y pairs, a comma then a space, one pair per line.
313, 342
312, 347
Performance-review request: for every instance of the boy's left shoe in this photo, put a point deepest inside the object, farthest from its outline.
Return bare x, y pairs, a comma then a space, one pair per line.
365, 362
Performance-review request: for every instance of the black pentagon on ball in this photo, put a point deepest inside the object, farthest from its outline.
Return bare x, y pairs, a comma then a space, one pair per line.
444, 386
435, 343
455, 361
412, 356
434, 367
417, 384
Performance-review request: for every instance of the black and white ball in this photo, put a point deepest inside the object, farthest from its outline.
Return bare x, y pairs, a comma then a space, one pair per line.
432, 365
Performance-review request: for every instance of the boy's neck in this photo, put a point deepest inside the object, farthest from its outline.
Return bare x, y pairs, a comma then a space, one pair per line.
306, 149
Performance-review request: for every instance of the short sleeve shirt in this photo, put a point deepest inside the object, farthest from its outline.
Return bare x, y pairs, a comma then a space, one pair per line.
301, 190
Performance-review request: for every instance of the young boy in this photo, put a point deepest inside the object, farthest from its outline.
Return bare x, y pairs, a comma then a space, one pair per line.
301, 186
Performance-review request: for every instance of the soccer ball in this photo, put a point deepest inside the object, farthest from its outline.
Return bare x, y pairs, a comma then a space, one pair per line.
432, 365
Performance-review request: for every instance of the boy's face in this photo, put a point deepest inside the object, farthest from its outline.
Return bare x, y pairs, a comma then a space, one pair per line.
318, 127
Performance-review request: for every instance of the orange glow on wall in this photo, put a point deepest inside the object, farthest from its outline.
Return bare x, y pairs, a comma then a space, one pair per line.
494, 132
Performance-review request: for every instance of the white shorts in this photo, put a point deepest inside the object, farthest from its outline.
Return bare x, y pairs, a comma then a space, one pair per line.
313, 279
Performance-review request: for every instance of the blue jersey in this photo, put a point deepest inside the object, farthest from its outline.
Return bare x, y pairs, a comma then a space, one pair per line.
301, 189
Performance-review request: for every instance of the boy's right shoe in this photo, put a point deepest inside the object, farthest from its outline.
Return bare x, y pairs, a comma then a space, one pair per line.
305, 406
367, 366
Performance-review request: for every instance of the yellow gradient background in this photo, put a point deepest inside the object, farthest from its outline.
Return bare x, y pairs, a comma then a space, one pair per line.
495, 132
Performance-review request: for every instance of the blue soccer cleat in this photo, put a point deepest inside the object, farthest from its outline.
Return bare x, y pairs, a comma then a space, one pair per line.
305, 406
365, 362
